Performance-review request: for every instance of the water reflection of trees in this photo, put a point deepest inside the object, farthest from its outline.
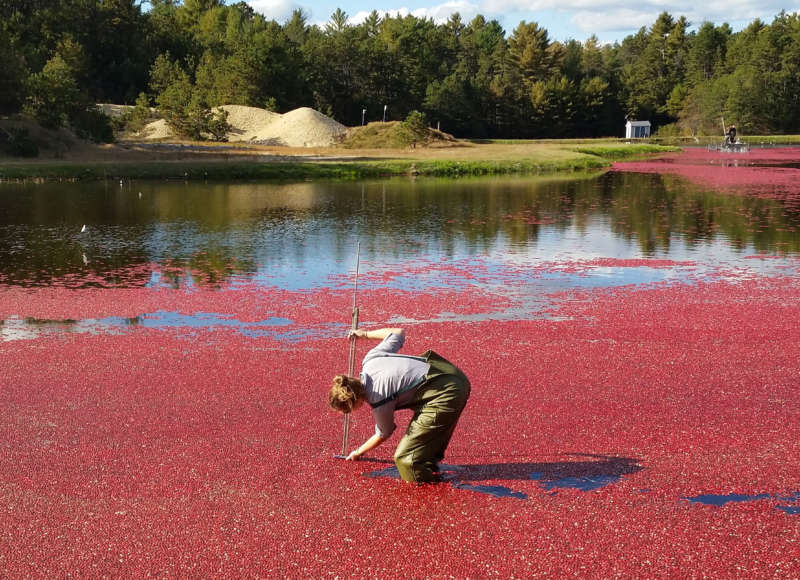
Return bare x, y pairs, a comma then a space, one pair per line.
209, 233
654, 209
648, 210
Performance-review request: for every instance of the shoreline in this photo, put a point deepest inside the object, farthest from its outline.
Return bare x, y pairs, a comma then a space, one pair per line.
203, 161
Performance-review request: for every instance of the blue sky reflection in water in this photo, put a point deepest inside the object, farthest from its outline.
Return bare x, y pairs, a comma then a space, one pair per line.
299, 236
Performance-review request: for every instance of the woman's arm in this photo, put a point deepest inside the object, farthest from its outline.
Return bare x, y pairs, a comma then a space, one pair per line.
367, 446
378, 334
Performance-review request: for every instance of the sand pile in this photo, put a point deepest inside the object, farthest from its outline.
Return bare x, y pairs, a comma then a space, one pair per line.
303, 127
156, 130
114, 111
247, 123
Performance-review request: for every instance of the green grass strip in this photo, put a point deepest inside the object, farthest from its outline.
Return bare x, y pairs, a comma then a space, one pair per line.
624, 150
192, 170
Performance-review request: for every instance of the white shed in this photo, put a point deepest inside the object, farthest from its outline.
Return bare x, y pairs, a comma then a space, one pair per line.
637, 129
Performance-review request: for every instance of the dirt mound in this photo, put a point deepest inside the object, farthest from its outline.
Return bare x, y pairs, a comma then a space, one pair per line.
248, 123
303, 127
114, 111
156, 130
49, 142
392, 135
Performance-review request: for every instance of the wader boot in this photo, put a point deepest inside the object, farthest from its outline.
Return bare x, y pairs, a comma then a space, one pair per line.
437, 404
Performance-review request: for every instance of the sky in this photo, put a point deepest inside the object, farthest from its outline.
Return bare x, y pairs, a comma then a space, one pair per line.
609, 20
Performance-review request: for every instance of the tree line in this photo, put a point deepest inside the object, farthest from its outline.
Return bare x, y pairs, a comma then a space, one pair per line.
472, 79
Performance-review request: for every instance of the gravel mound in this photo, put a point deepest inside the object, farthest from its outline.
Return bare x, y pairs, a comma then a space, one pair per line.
114, 111
247, 123
156, 130
303, 127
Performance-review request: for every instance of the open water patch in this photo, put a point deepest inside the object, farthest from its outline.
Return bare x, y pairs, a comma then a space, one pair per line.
279, 328
789, 504
722, 499
582, 483
493, 490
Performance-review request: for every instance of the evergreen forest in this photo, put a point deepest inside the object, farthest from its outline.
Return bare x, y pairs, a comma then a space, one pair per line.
472, 79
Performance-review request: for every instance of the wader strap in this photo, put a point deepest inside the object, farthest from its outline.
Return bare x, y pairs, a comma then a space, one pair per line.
438, 366
395, 355
405, 389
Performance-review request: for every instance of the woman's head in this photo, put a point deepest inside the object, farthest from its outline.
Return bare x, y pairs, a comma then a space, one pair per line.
346, 394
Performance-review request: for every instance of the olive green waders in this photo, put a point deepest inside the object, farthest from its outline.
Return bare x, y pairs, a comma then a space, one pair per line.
437, 405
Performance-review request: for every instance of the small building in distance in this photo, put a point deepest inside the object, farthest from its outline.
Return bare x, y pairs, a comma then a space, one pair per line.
637, 129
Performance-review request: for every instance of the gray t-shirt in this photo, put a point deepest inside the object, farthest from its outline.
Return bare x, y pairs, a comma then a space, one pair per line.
384, 376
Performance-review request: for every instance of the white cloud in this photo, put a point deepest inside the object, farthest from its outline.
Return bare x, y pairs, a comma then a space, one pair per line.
736, 12
609, 19
591, 16
361, 15
439, 13
442, 12
278, 10
620, 19
714, 10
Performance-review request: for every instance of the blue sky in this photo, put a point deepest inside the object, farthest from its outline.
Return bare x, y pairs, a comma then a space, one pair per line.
564, 19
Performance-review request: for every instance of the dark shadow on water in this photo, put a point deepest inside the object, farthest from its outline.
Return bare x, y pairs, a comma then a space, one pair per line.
600, 471
596, 472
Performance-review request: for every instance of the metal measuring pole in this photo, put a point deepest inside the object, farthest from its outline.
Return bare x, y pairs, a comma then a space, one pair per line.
351, 358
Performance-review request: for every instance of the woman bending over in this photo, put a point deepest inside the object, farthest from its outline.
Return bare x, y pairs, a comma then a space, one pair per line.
432, 387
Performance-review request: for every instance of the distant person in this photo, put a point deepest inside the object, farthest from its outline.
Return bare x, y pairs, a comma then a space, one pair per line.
432, 387
730, 137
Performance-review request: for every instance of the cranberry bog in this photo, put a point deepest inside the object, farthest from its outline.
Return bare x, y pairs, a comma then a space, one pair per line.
633, 413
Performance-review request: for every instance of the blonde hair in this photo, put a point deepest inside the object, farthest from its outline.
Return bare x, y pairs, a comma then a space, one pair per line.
345, 393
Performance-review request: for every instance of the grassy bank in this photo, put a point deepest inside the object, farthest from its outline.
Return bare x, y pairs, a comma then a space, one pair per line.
334, 163
623, 150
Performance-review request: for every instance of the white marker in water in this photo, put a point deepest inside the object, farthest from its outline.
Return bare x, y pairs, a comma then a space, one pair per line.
83, 229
